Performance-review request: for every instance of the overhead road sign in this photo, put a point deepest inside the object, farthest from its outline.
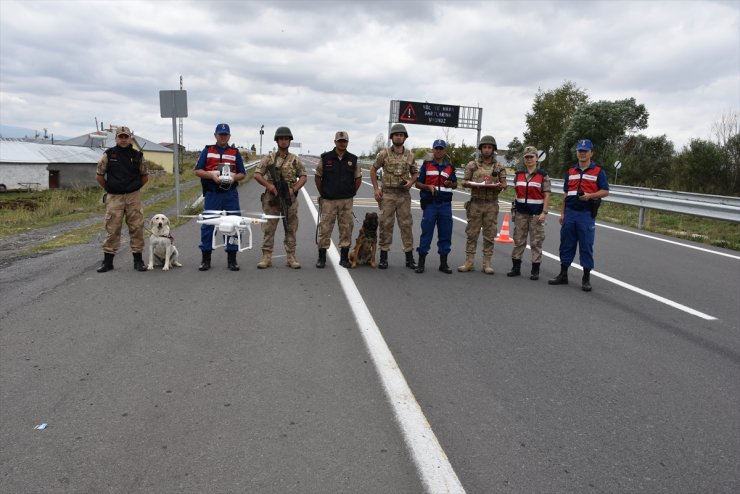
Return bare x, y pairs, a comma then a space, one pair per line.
413, 112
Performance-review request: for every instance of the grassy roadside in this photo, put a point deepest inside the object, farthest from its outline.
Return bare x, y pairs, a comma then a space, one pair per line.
22, 212
725, 234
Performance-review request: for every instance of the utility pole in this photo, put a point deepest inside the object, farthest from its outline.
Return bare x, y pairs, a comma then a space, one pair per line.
179, 137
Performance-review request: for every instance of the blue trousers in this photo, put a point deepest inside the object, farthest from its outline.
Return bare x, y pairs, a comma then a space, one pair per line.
437, 214
578, 228
217, 201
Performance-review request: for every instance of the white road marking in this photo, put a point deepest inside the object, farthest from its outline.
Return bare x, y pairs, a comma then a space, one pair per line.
623, 284
429, 458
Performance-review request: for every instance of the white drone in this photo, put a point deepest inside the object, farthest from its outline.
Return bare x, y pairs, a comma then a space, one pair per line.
230, 227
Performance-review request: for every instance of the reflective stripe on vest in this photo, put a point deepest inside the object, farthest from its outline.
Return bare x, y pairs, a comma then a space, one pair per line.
586, 180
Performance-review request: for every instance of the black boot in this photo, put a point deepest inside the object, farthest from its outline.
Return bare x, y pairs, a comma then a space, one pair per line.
139, 262
535, 271
344, 257
516, 268
420, 266
107, 264
562, 278
410, 260
586, 280
231, 260
383, 264
205, 263
321, 263
443, 264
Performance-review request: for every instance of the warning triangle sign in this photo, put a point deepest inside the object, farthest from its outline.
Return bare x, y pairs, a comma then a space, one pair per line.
408, 114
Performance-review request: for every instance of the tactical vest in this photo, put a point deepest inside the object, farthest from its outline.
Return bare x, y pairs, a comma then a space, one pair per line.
123, 172
286, 170
397, 168
436, 175
585, 180
481, 171
529, 196
214, 158
338, 176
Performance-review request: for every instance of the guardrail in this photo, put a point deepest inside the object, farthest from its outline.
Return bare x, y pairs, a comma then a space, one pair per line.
705, 205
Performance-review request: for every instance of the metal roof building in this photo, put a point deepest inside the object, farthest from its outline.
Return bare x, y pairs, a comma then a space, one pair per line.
29, 165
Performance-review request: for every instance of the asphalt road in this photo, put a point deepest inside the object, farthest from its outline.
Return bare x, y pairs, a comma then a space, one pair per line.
267, 380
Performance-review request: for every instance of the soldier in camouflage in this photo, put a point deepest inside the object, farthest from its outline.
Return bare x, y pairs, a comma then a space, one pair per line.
399, 175
532, 201
337, 179
486, 178
288, 169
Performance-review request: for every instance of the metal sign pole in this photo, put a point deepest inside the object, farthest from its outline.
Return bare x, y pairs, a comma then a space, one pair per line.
176, 165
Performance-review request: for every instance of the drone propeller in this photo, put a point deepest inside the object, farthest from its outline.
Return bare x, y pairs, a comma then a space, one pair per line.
220, 212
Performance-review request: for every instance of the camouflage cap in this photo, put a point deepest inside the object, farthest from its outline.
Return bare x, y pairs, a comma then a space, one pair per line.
123, 130
531, 150
341, 136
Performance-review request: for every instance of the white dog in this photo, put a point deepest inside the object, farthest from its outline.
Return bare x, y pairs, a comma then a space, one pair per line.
161, 244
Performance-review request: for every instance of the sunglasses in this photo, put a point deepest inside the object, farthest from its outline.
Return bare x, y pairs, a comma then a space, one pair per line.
529, 156
124, 136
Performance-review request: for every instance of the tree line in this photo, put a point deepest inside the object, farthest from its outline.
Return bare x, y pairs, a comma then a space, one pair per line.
561, 116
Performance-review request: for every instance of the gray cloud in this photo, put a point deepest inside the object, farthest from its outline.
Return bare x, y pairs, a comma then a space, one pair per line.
324, 66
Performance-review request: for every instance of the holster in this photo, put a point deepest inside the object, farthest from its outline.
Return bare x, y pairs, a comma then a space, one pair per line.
594, 204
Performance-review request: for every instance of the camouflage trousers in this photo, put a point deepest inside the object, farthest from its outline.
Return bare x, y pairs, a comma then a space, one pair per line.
116, 207
527, 225
482, 215
268, 229
339, 210
396, 203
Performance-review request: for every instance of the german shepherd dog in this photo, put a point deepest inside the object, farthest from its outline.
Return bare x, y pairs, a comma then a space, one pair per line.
366, 244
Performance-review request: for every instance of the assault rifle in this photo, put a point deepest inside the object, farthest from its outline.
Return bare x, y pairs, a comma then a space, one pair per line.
283, 195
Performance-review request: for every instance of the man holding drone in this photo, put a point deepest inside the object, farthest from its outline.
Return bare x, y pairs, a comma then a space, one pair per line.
220, 169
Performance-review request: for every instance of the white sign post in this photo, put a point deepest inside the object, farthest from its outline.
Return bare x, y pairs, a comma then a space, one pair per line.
174, 104
617, 166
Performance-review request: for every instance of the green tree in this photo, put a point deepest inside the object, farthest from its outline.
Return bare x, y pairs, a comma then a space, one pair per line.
697, 165
646, 161
551, 114
460, 155
605, 123
514, 152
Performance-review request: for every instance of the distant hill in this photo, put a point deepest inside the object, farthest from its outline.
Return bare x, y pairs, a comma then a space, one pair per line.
12, 131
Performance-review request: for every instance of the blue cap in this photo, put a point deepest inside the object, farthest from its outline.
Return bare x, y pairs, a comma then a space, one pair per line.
439, 143
584, 145
222, 128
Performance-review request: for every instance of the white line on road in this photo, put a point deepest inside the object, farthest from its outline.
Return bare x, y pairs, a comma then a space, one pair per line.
429, 458
633, 288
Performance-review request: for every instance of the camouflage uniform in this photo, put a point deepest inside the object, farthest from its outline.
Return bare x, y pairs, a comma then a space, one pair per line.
528, 225
398, 169
339, 210
290, 169
482, 209
119, 205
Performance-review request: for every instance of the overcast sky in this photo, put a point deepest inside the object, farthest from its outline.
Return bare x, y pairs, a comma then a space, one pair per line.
320, 67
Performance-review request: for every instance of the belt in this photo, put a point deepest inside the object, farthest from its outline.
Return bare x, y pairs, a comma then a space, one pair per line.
481, 199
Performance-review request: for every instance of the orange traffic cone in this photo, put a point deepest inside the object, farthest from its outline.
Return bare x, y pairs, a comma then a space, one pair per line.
503, 236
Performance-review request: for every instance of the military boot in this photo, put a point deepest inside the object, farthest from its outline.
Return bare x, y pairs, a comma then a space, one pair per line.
205, 263
535, 271
107, 264
410, 260
468, 266
562, 278
586, 280
266, 260
487, 266
383, 264
291, 261
344, 257
516, 268
231, 260
138, 262
443, 264
420, 265
321, 263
